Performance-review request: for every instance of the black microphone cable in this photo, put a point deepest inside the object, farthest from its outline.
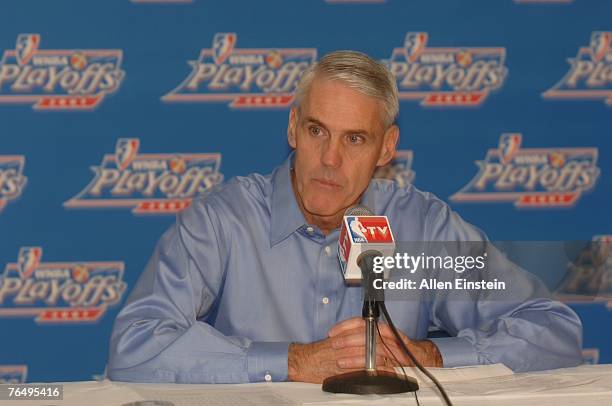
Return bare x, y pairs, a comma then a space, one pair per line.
403, 346
416, 397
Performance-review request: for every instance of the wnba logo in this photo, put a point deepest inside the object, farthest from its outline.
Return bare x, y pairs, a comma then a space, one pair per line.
59, 292
532, 177
148, 183
264, 77
60, 79
590, 73
446, 76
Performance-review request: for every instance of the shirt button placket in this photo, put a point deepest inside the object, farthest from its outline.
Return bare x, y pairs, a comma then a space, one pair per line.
327, 275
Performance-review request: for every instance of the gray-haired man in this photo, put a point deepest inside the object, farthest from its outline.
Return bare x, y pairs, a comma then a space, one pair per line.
245, 287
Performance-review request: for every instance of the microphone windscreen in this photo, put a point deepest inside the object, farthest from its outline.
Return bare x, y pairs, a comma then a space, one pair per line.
358, 210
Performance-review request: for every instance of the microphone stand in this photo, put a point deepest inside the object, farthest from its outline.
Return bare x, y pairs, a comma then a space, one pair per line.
369, 380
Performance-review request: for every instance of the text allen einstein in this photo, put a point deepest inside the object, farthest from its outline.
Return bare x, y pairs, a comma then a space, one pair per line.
434, 284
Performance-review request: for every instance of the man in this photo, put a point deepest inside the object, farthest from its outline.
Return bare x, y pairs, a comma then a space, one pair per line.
246, 287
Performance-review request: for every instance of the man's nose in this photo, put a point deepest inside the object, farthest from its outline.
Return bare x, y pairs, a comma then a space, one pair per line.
331, 154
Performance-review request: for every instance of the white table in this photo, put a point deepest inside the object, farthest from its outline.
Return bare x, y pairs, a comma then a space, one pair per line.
584, 385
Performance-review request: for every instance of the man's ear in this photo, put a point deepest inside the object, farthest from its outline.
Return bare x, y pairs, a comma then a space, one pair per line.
389, 146
291, 128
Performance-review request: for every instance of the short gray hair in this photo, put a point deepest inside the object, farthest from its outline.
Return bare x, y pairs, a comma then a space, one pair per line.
359, 72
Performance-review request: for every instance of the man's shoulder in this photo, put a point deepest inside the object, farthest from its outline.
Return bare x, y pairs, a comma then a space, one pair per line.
237, 193
419, 215
391, 196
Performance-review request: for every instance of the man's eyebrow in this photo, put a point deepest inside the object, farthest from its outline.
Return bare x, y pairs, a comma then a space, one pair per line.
317, 122
313, 120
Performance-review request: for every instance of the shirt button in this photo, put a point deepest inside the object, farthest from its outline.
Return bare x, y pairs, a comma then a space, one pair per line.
268, 378
325, 300
328, 250
309, 230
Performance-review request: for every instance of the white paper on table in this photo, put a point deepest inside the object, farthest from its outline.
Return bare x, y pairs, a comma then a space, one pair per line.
213, 395
457, 374
533, 383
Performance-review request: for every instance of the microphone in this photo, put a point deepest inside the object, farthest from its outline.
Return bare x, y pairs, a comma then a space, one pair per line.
362, 231
363, 238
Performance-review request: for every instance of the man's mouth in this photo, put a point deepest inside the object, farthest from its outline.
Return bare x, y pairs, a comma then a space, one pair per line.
327, 183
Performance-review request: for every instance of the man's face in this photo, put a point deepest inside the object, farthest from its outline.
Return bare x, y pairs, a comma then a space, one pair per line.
339, 140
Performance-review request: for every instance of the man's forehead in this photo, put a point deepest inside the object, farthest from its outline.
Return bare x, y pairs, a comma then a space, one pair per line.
335, 103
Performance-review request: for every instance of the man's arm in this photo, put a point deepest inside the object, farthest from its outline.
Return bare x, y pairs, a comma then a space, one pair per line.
158, 335
525, 330
536, 335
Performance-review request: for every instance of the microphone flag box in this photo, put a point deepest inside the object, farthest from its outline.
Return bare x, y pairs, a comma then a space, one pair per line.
359, 234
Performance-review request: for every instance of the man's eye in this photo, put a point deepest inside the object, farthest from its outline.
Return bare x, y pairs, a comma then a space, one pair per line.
316, 131
356, 139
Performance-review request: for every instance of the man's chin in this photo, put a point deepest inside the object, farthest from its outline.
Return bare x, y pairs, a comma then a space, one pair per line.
323, 208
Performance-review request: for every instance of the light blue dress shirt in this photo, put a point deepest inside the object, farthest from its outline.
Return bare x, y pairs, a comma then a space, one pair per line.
241, 275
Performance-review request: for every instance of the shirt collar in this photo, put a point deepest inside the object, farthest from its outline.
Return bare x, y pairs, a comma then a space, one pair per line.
286, 216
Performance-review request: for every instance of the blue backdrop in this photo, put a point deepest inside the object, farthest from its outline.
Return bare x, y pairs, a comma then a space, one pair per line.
115, 113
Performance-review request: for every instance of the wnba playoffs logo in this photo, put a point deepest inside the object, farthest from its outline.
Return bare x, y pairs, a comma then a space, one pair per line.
532, 177
590, 73
245, 77
148, 183
446, 76
57, 292
58, 79
12, 181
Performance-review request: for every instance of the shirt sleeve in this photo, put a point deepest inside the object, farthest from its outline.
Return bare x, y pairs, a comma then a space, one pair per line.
525, 329
160, 335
